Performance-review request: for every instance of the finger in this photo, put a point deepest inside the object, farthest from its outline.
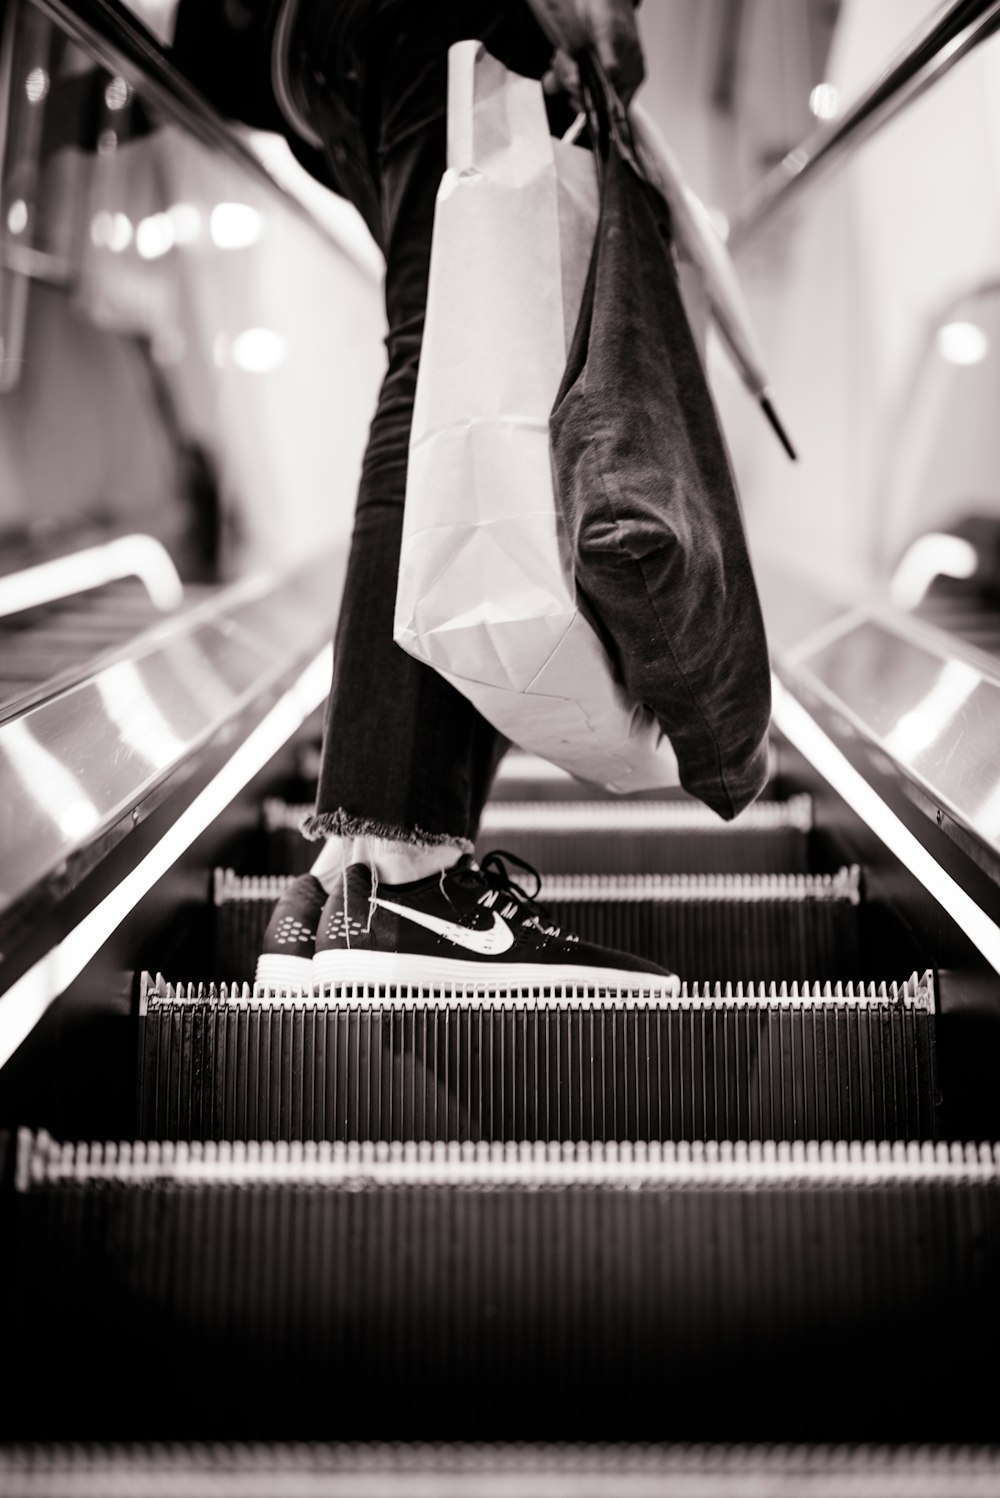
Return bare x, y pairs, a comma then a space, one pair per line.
625, 71
565, 77
619, 51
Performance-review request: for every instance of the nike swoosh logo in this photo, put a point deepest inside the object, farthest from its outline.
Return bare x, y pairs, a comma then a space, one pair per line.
491, 943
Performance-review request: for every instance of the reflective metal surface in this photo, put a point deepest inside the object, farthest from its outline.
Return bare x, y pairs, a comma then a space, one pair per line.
74, 765
933, 710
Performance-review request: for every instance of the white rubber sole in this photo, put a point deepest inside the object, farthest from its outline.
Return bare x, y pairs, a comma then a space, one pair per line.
401, 969
285, 972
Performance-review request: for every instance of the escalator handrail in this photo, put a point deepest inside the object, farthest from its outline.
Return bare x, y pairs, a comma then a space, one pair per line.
951, 33
106, 29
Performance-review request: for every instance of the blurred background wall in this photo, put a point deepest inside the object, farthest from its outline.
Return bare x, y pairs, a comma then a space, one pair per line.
175, 347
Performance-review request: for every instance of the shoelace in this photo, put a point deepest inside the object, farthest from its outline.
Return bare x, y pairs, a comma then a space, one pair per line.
494, 869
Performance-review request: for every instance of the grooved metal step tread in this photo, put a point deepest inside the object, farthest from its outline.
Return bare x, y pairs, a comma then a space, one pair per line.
660, 889
740, 1062
669, 1292
704, 926
608, 836
465, 1471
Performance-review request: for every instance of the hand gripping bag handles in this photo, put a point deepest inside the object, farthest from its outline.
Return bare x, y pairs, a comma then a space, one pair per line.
486, 591
646, 493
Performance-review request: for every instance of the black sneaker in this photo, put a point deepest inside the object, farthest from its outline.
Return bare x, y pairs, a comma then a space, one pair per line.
290, 937
465, 925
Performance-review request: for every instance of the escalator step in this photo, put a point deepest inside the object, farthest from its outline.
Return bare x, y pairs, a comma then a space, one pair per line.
462, 1471
810, 1062
613, 837
655, 1292
767, 927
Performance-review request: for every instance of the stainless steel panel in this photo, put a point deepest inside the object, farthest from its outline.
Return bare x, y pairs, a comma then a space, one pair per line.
73, 765
932, 709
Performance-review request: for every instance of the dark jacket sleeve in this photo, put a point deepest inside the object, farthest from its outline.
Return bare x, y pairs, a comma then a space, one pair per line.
223, 47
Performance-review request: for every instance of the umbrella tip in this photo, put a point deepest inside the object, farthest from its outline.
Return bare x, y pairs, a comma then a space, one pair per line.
775, 420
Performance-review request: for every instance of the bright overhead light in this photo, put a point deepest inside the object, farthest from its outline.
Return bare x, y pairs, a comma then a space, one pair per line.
962, 343
17, 216
824, 101
259, 350
120, 236
235, 226
36, 85
101, 228
186, 221
155, 236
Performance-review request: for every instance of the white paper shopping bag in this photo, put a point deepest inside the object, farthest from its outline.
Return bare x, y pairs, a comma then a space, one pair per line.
486, 593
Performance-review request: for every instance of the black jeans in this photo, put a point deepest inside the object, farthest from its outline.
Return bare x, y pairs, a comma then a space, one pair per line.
405, 756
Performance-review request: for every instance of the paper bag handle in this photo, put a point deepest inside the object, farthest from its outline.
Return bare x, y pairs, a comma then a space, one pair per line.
491, 109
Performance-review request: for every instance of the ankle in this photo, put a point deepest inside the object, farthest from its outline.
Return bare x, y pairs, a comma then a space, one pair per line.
334, 856
402, 863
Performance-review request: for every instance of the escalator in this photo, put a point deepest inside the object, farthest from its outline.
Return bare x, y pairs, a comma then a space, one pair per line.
395, 1241
558, 1215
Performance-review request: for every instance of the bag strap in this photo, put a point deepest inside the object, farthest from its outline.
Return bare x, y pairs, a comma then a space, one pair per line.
607, 116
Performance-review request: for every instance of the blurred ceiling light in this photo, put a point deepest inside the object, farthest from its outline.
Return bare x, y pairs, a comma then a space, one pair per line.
824, 101
36, 85
155, 236
962, 343
186, 221
930, 556
107, 143
101, 228
235, 226
120, 236
17, 216
117, 94
259, 350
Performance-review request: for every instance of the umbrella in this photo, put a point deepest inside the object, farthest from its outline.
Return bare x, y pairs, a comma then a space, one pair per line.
697, 237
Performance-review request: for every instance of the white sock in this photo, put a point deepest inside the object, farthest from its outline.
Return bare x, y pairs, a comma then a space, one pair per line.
399, 863
334, 855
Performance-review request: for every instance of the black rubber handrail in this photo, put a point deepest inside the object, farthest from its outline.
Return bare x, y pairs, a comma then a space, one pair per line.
950, 34
110, 32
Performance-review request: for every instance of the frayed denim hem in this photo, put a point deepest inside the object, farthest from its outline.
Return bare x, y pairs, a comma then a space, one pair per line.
342, 824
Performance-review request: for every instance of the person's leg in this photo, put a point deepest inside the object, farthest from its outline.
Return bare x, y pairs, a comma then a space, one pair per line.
407, 760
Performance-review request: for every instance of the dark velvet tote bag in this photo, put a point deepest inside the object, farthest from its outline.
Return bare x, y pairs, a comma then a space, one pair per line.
644, 487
